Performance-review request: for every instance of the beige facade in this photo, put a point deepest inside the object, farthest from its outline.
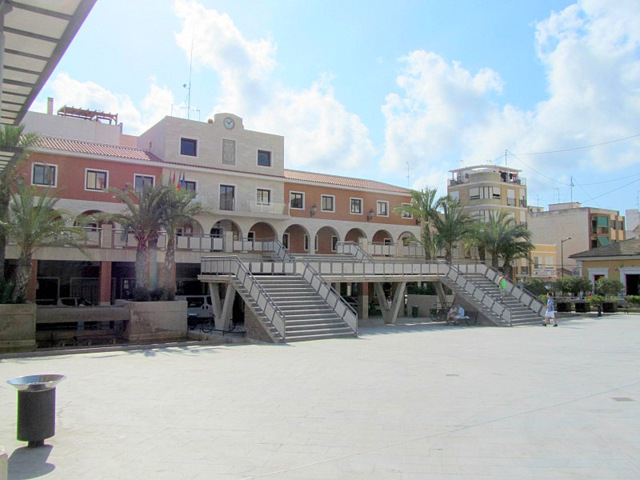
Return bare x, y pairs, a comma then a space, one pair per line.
483, 189
573, 228
489, 188
620, 261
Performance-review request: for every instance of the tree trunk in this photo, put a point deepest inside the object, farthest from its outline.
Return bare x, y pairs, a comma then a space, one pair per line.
22, 275
169, 278
142, 266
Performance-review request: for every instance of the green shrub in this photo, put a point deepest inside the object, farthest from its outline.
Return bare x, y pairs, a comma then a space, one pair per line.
633, 299
608, 286
6, 293
535, 286
596, 299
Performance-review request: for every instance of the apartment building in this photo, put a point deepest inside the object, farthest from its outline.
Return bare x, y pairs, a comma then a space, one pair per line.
573, 229
483, 189
238, 175
489, 188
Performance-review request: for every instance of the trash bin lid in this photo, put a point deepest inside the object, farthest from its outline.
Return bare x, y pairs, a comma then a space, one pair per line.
34, 383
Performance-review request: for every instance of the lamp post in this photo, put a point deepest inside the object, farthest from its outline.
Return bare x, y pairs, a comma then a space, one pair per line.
562, 256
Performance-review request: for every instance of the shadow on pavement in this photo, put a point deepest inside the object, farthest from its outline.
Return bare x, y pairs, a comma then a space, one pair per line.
28, 462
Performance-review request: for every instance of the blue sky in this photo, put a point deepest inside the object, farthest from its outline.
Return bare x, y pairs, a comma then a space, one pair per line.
399, 92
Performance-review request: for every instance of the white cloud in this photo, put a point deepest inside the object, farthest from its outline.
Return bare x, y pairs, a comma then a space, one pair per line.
320, 133
70, 92
443, 113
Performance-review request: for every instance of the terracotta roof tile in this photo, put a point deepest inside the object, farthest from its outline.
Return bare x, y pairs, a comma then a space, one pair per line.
91, 148
617, 249
119, 151
359, 183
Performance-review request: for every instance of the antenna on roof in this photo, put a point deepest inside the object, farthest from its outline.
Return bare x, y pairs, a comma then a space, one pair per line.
188, 87
408, 181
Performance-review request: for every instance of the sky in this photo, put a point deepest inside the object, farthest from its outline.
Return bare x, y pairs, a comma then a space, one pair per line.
397, 91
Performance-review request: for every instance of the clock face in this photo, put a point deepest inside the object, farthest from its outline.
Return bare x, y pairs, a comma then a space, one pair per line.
228, 122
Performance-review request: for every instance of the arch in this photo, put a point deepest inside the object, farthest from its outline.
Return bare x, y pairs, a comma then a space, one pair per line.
225, 225
195, 228
383, 237
326, 240
406, 237
297, 239
262, 231
354, 235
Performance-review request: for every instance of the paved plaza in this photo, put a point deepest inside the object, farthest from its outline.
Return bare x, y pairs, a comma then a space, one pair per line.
414, 401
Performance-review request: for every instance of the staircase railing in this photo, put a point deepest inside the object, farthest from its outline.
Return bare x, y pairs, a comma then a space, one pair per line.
345, 311
280, 250
524, 296
234, 266
352, 248
467, 288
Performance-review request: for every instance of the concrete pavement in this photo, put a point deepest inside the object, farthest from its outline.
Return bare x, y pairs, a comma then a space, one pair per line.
406, 402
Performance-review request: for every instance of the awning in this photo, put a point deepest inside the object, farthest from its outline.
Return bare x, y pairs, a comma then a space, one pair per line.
36, 35
603, 241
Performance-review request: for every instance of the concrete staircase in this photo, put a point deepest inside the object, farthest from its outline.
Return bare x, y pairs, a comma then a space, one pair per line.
307, 314
520, 314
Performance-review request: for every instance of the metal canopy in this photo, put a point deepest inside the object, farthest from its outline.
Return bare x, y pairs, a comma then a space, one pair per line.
36, 35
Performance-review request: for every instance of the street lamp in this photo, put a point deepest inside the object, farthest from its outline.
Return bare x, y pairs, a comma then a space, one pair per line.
562, 256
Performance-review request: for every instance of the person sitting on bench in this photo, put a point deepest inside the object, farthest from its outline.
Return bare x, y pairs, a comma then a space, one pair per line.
456, 314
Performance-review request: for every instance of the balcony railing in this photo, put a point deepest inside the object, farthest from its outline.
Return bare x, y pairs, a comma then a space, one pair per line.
212, 202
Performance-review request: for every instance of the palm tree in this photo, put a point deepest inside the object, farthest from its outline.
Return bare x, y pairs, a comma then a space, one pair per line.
12, 139
143, 218
179, 212
34, 222
451, 224
422, 208
502, 238
520, 247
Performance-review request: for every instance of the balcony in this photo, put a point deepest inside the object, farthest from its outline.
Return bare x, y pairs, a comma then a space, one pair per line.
251, 208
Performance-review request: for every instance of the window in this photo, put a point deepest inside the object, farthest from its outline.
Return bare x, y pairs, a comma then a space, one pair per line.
356, 206
227, 197
296, 200
334, 243
474, 193
251, 236
184, 231
264, 158
328, 203
406, 214
285, 240
188, 146
228, 152
44, 175
455, 195
511, 198
306, 242
188, 185
142, 181
263, 197
95, 180
382, 208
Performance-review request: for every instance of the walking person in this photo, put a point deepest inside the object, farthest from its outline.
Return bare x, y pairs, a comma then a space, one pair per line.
503, 284
550, 314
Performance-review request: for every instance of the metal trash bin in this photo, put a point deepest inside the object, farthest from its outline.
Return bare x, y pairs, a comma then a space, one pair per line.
415, 311
36, 407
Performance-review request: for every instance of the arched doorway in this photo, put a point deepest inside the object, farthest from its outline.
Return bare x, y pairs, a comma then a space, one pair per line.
326, 240
354, 235
296, 239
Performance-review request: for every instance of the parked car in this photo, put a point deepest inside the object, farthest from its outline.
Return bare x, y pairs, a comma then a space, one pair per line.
199, 307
